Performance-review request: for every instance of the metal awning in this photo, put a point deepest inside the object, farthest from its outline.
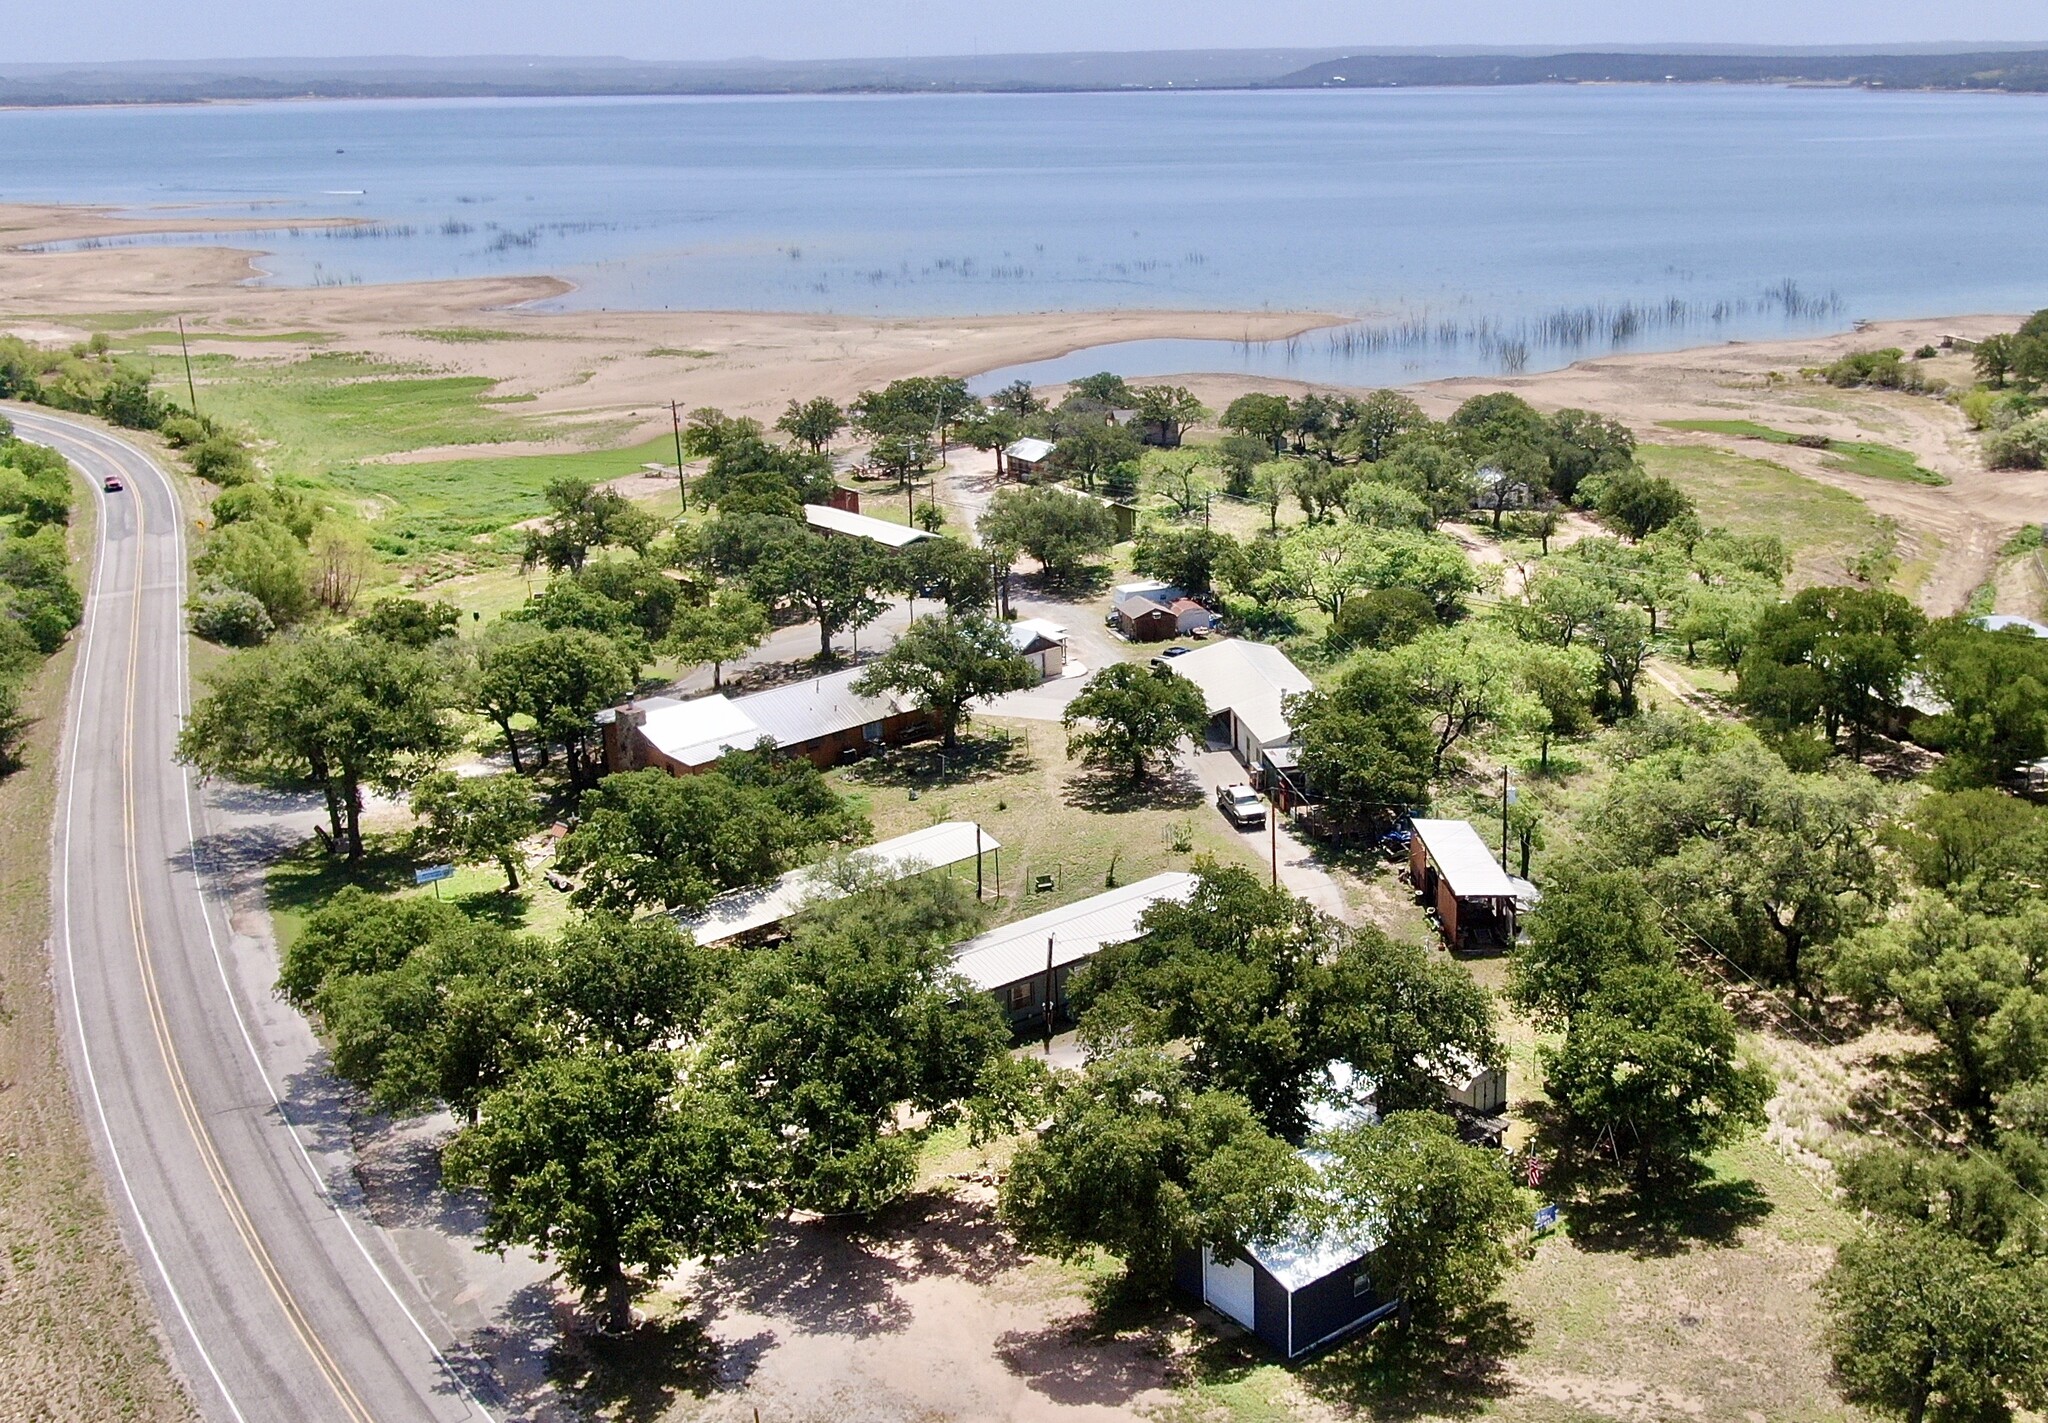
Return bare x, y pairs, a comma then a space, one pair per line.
1463, 860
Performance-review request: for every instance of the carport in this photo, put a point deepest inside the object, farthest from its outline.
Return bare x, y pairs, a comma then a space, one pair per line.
1455, 874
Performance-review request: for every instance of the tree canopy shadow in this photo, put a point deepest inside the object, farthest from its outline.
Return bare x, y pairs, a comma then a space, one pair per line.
1453, 1370
816, 1275
1607, 1209
1103, 792
638, 1376
1102, 1357
984, 756
1075, 585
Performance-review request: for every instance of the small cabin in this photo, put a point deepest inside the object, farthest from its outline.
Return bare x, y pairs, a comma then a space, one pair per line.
1475, 902
1144, 619
1315, 1285
1041, 643
1028, 459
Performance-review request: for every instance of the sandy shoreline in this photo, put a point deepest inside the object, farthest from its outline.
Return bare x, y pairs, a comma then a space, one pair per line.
586, 370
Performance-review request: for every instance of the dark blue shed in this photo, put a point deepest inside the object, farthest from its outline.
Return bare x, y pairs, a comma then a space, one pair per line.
1298, 1295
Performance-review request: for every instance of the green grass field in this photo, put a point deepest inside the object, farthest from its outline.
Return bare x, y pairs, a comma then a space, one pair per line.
449, 506
323, 422
1822, 526
332, 409
1860, 457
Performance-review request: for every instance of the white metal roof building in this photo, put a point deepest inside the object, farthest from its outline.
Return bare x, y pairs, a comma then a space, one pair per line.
1463, 859
695, 733
1028, 450
1152, 588
1016, 953
1249, 681
1476, 902
828, 520
1999, 622
803, 711
699, 731
747, 911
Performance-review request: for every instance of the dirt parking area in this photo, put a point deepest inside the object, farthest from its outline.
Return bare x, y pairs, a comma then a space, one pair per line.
936, 1315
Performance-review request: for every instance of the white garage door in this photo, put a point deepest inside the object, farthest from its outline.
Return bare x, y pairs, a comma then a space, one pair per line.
1227, 1287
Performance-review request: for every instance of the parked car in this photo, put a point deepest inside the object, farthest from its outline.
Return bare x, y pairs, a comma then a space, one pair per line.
112, 484
1241, 806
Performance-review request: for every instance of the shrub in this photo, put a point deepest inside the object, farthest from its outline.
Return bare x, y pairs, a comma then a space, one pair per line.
1885, 369
1925, 353
220, 459
184, 431
229, 616
261, 558
1383, 618
1977, 407
127, 400
2020, 446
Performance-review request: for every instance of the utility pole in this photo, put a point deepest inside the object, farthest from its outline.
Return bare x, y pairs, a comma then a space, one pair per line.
1273, 833
1049, 995
1507, 798
191, 389
675, 416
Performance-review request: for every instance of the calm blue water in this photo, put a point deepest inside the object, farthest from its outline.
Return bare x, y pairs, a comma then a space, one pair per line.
1473, 229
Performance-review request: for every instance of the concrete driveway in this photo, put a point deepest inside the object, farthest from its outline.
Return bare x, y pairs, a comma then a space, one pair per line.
1300, 871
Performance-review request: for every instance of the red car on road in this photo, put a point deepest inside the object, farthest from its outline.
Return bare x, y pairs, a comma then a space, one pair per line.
113, 484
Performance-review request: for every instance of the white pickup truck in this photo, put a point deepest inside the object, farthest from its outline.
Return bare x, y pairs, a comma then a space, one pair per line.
1241, 806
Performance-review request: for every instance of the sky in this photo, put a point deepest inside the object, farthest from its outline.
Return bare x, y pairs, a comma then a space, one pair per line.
817, 29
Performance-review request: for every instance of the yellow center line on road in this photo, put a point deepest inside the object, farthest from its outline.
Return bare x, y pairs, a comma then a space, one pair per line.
351, 1403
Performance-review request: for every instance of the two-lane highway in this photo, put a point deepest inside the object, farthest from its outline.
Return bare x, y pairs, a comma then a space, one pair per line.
280, 1299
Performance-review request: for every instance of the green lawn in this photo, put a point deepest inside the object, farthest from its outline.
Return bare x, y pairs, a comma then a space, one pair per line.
320, 421
1822, 526
1861, 457
334, 408
1047, 815
147, 341
300, 882
466, 335
447, 506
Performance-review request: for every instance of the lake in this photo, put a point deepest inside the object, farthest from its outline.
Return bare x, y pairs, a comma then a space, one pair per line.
1467, 230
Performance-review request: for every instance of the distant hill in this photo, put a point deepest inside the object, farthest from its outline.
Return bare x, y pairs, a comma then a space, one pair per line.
2011, 70
1991, 67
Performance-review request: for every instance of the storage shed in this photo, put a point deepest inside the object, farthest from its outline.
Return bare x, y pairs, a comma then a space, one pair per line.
1145, 619
1028, 459
1041, 643
1297, 1296
1455, 874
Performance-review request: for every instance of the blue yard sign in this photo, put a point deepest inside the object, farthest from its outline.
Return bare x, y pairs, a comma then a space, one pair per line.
432, 873
1546, 1219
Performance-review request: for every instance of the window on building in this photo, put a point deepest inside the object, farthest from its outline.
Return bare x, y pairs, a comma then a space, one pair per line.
1022, 995
872, 731
1361, 1284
